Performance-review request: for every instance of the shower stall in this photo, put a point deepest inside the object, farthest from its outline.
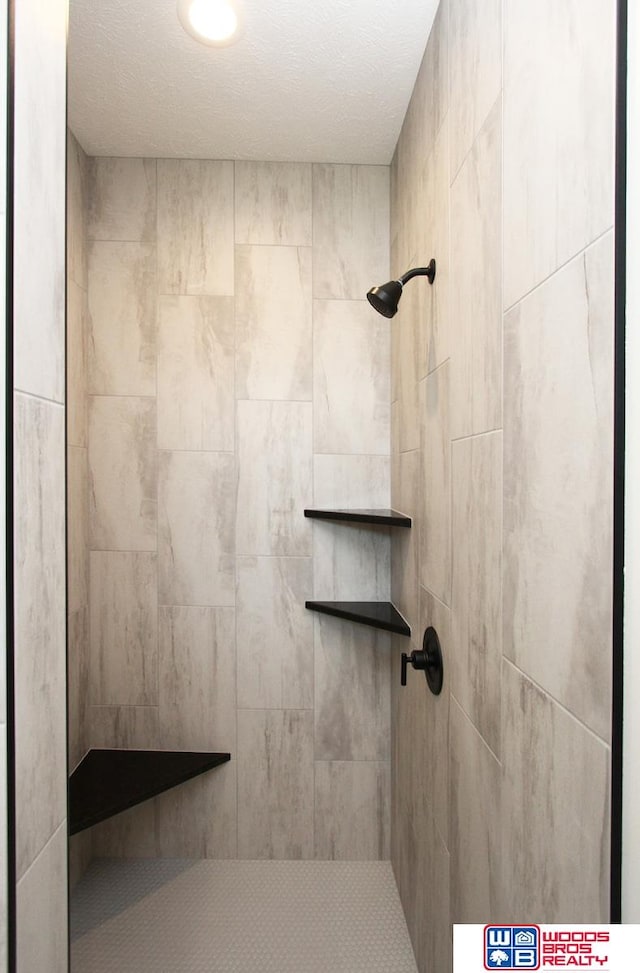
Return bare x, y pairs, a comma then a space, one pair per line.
283, 510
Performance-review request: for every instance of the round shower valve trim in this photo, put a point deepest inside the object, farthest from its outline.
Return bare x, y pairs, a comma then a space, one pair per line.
428, 660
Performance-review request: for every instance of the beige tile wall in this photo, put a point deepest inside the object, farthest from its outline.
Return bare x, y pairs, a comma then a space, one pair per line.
501, 450
80, 847
39, 486
236, 374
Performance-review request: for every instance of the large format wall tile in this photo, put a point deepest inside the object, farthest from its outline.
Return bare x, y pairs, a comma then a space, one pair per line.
274, 478
352, 810
77, 529
424, 117
421, 868
350, 563
352, 696
422, 123
476, 649
195, 529
195, 227
351, 481
122, 199
474, 823
77, 321
423, 771
41, 910
558, 135
195, 820
123, 473
131, 834
39, 197
475, 70
406, 330
124, 629
461, 829
197, 661
273, 203
274, 633
476, 268
351, 378
406, 496
124, 727
558, 485
435, 481
122, 319
433, 241
275, 784
77, 683
350, 230
196, 373
80, 856
555, 793
77, 178
39, 585
273, 322
198, 819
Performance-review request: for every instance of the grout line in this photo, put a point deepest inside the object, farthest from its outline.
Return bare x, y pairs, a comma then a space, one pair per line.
282, 246
475, 728
474, 141
278, 401
445, 361
274, 709
123, 705
576, 256
477, 435
43, 848
556, 701
91, 241
198, 452
108, 550
120, 395
35, 397
435, 597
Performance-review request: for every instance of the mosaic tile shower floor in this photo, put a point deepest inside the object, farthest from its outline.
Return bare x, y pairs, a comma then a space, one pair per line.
170, 916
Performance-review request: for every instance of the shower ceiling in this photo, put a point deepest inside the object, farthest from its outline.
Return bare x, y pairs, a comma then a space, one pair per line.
309, 80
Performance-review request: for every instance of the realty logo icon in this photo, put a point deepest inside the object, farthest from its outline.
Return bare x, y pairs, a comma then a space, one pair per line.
511, 947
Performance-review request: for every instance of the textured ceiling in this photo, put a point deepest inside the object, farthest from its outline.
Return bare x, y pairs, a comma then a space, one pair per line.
309, 80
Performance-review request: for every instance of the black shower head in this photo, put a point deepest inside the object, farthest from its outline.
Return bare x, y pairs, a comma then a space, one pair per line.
386, 297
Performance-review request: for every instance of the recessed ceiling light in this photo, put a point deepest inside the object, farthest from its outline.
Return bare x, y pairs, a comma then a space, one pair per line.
215, 22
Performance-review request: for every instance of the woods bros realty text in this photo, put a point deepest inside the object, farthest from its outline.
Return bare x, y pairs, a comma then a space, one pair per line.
584, 949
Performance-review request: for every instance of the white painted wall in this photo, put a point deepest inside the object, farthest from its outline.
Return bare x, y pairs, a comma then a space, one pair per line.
631, 779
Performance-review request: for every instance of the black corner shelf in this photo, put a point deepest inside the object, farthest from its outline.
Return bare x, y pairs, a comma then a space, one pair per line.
376, 614
106, 782
381, 518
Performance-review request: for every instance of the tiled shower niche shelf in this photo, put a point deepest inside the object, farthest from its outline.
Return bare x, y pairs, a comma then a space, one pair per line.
381, 518
376, 614
106, 782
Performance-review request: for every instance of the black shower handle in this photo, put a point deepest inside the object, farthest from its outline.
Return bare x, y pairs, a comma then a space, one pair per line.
428, 659
418, 659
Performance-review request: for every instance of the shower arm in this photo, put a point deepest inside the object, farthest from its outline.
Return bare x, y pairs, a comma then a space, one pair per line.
429, 272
